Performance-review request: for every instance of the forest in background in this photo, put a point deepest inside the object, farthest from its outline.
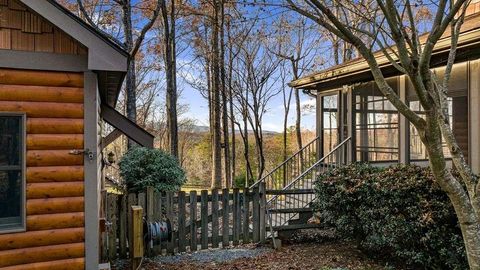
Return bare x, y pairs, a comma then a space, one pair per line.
238, 55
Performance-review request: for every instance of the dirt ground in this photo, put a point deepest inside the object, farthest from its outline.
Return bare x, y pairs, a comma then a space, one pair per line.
301, 256
309, 249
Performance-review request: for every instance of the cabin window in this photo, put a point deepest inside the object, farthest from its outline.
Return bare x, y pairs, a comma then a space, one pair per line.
12, 186
376, 125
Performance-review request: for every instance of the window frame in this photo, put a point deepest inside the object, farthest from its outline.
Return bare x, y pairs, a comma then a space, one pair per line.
23, 169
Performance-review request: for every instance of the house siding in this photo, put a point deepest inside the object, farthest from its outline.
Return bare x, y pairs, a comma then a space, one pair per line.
23, 30
54, 107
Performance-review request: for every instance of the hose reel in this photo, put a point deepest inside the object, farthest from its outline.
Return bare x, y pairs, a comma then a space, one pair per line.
157, 231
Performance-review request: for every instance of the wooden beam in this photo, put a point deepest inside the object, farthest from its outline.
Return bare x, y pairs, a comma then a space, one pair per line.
41, 93
137, 236
44, 109
54, 157
41, 254
41, 238
129, 128
55, 205
54, 190
54, 174
68, 264
54, 141
40, 78
112, 136
55, 221
54, 126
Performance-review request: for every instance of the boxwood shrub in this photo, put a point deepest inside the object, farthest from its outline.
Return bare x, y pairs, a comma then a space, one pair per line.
141, 167
398, 214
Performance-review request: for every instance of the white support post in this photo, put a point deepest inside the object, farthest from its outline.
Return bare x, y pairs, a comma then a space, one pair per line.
92, 169
474, 118
404, 125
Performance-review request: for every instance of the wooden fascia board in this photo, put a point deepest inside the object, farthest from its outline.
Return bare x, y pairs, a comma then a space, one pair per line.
101, 54
361, 66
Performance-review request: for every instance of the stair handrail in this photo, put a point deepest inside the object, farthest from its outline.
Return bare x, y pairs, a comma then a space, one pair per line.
311, 168
283, 163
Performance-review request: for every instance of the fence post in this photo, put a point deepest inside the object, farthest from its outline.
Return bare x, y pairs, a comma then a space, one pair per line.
181, 222
122, 226
193, 220
263, 213
132, 200
157, 216
149, 216
215, 226
246, 216
112, 233
256, 214
225, 219
169, 210
236, 218
204, 218
137, 236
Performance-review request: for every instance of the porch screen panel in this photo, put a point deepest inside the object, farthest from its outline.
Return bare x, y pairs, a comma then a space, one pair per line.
330, 122
457, 111
376, 124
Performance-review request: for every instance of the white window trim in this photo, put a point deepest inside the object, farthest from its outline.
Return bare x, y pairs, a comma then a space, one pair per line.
23, 133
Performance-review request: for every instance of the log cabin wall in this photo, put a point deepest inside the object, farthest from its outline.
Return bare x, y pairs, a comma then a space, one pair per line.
53, 103
23, 30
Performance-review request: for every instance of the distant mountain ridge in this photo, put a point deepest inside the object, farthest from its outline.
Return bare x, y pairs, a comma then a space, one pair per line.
202, 129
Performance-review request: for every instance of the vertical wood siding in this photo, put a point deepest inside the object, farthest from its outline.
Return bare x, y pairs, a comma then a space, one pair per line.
22, 29
53, 102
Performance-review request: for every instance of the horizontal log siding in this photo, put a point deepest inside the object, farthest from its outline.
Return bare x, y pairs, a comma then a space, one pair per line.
53, 102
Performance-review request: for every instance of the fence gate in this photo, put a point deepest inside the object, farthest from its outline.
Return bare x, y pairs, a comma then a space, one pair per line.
209, 219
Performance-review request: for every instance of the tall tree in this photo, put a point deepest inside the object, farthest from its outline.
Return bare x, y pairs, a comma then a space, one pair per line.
393, 23
170, 58
132, 44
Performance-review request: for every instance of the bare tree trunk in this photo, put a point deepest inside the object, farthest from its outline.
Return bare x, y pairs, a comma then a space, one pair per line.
467, 216
216, 142
230, 100
226, 144
130, 80
298, 123
171, 74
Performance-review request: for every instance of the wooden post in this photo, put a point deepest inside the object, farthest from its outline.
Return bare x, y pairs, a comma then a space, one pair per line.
132, 200
193, 220
215, 226
235, 215
149, 216
112, 233
256, 214
225, 220
181, 222
204, 219
169, 207
122, 226
157, 216
137, 236
263, 213
246, 216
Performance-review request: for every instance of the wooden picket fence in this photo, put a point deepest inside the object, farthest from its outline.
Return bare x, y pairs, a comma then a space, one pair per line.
209, 219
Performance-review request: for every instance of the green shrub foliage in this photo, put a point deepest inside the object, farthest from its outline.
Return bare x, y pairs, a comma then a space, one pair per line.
141, 167
397, 213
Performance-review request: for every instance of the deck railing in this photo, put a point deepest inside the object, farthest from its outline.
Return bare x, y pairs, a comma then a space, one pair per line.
291, 168
297, 195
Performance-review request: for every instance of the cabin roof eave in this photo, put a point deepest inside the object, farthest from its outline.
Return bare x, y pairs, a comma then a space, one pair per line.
358, 69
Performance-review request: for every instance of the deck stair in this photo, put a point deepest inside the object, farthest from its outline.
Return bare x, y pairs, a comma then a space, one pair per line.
290, 187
